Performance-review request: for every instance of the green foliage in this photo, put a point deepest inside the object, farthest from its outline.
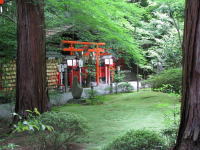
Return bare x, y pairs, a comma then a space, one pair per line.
8, 38
107, 21
118, 77
175, 9
167, 81
93, 98
165, 88
92, 94
32, 124
144, 3
68, 123
172, 121
104, 21
138, 140
68, 128
7, 97
166, 53
94, 101
160, 34
128, 28
91, 70
10, 146
125, 87
52, 141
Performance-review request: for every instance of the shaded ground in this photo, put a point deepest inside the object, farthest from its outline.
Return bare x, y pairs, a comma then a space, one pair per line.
123, 112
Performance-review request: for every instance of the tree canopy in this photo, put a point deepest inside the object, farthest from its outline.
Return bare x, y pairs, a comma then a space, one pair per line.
143, 32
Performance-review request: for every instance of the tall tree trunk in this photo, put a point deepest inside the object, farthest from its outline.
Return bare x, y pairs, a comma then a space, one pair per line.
189, 131
31, 91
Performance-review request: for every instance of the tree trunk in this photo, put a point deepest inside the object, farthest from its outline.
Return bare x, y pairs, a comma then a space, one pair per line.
189, 131
31, 91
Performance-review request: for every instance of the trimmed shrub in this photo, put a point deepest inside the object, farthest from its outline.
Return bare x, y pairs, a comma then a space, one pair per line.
118, 77
170, 134
169, 80
125, 87
68, 127
172, 121
138, 140
65, 122
93, 98
92, 93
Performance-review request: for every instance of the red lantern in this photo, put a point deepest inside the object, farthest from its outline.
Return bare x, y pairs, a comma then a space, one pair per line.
2, 2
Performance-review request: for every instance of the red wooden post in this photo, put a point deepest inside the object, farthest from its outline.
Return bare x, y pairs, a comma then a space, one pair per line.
97, 67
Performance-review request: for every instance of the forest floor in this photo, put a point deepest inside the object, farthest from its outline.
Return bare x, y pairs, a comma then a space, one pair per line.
122, 112
118, 114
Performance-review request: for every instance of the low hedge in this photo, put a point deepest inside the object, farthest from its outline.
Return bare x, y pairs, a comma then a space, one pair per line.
171, 79
138, 140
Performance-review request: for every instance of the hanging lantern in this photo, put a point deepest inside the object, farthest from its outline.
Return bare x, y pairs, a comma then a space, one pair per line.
72, 62
1, 8
109, 61
80, 63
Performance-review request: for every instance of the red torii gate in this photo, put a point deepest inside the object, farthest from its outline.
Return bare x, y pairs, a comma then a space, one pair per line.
98, 51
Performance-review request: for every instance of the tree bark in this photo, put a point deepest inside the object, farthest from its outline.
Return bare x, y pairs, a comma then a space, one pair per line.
31, 91
189, 131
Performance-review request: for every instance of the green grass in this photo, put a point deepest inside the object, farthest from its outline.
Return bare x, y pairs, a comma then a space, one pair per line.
123, 112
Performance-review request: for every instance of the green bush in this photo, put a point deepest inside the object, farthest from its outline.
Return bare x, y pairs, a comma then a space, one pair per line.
68, 127
172, 121
93, 98
31, 124
138, 140
10, 146
92, 94
166, 88
169, 80
118, 77
125, 87
170, 134
65, 122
